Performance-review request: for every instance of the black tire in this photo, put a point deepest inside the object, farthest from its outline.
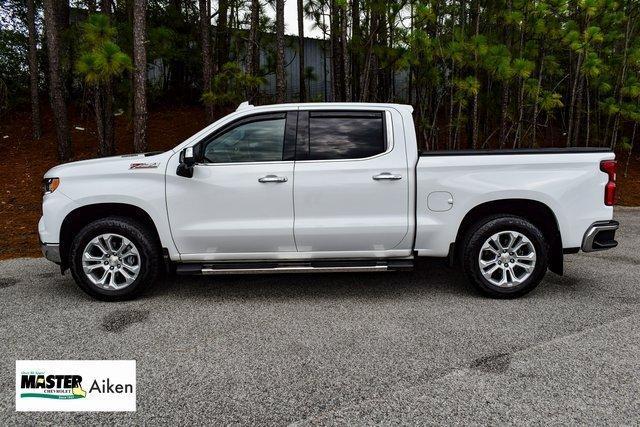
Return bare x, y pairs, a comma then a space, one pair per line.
150, 257
483, 230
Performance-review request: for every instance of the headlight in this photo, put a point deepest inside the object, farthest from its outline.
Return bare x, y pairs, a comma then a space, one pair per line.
50, 184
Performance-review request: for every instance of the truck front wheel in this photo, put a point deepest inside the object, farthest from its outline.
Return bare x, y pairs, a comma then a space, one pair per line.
114, 259
505, 256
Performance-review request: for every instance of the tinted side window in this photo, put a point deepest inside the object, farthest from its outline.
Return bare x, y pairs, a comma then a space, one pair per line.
258, 141
342, 135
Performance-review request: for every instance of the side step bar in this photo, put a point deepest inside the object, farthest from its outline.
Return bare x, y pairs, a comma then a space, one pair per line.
267, 267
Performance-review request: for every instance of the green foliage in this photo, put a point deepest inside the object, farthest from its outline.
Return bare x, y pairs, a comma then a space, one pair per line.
549, 101
230, 86
97, 30
14, 73
625, 145
162, 42
590, 7
522, 67
564, 64
592, 65
100, 58
632, 88
609, 106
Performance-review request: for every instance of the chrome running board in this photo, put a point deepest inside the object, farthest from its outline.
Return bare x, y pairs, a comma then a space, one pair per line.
292, 270
338, 266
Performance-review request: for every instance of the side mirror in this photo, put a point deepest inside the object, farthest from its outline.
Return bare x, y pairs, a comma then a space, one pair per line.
187, 161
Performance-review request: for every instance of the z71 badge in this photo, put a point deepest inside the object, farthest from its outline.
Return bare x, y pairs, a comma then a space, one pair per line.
144, 165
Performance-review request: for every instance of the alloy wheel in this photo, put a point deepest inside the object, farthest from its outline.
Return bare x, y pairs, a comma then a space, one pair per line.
111, 261
507, 259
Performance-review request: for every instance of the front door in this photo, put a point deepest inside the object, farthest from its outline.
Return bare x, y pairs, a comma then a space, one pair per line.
240, 198
351, 188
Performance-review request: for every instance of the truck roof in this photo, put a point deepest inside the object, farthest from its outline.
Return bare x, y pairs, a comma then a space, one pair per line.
246, 106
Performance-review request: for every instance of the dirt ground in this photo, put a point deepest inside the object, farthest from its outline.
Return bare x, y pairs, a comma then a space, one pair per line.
24, 162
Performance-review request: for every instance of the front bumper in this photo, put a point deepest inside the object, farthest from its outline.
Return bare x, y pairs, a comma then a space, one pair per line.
600, 236
51, 251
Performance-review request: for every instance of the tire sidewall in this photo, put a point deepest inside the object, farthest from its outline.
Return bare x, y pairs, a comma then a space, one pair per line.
132, 231
494, 225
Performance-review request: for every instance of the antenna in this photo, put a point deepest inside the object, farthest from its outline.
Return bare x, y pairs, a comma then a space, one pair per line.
244, 106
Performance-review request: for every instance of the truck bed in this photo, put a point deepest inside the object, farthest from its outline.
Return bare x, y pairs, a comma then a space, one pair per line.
449, 184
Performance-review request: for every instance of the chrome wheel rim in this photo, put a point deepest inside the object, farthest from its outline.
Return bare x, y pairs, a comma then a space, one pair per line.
111, 261
507, 259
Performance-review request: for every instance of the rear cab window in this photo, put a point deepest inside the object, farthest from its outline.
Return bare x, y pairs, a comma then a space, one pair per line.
340, 135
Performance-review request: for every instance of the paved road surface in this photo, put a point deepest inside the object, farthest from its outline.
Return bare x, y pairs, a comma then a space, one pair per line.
391, 348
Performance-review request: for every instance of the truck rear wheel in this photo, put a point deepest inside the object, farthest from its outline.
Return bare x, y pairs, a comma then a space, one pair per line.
114, 259
505, 256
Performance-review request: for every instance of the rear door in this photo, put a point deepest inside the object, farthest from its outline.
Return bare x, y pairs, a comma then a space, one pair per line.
351, 183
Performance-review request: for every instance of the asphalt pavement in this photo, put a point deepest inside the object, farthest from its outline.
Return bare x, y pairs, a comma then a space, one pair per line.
390, 348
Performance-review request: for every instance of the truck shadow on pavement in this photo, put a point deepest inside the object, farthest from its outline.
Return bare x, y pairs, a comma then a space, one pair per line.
429, 277
432, 279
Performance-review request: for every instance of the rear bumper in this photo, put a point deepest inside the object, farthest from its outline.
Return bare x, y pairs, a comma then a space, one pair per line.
51, 251
600, 236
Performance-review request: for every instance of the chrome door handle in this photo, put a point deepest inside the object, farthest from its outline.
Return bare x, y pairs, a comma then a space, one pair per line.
273, 178
387, 176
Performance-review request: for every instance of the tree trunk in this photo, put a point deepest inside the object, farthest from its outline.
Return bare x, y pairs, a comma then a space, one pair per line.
108, 145
450, 142
622, 78
324, 59
633, 141
504, 107
58, 102
105, 7
303, 87
384, 83
207, 61
370, 72
33, 69
504, 103
517, 141
222, 39
280, 83
98, 95
572, 103
140, 76
535, 103
337, 61
588, 126
65, 47
475, 125
104, 120
333, 43
355, 50
344, 57
578, 114
254, 48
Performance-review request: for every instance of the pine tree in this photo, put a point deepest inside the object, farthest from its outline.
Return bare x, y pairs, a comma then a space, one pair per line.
56, 85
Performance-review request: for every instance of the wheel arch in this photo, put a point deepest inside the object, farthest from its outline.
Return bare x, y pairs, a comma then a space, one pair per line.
80, 217
536, 212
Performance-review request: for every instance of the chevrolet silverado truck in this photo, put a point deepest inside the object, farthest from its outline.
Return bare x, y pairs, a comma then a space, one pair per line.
326, 187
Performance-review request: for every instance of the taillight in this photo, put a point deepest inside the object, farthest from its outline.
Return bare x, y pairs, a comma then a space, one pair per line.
609, 167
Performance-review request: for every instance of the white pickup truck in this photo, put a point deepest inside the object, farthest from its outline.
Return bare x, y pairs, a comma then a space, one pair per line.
324, 187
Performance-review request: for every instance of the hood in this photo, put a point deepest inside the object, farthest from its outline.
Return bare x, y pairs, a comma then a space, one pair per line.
151, 160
